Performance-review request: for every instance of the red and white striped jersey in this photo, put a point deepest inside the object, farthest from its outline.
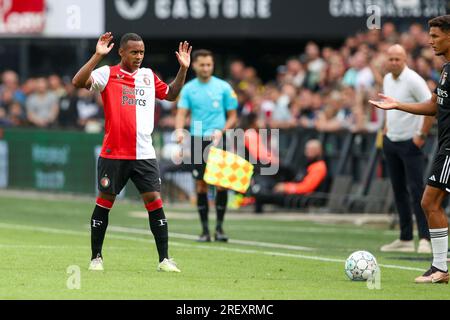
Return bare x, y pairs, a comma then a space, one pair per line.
129, 107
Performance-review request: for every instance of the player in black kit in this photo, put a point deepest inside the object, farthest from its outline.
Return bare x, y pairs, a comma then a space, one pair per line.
438, 184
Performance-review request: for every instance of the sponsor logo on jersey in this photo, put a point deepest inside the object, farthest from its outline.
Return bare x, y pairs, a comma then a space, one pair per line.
433, 178
133, 96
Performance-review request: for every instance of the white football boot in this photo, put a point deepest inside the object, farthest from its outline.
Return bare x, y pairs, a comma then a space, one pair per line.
96, 264
168, 265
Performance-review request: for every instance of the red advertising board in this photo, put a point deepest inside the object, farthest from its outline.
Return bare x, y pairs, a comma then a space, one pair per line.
22, 16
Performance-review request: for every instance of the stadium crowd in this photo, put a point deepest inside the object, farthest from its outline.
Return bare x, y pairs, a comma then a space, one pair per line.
323, 88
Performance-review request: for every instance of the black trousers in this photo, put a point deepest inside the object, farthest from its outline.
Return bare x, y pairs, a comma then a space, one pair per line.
405, 162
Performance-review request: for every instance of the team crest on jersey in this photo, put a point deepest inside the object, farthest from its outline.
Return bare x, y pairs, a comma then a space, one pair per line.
443, 78
105, 182
147, 81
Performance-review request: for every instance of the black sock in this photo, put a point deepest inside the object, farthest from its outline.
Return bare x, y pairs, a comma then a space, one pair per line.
158, 226
221, 206
202, 206
99, 223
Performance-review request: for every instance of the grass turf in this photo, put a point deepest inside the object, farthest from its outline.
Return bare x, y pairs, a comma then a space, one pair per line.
40, 239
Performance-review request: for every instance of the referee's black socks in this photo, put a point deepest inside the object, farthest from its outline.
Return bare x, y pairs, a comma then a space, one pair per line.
221, 207
203, 208
99, 223
158, 226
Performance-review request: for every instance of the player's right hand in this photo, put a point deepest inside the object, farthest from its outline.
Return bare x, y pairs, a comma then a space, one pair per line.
387, 103
103, 44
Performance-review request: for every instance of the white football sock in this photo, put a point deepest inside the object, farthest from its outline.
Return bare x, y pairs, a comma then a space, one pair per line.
439, 243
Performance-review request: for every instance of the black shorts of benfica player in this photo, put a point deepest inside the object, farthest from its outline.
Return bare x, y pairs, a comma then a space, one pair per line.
439, 177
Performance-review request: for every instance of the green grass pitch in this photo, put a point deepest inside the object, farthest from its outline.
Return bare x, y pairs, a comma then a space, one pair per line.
270, 259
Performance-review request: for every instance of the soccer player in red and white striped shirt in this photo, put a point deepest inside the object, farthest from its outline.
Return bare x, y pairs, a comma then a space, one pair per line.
128, 93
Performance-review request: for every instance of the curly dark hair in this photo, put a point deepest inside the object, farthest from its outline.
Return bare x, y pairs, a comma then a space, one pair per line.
442, 22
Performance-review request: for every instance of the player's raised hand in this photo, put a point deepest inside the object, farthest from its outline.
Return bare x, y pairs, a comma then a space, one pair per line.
103, 44
184, 54
387, 103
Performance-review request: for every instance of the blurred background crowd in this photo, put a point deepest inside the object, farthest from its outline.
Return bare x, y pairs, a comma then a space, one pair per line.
326, 88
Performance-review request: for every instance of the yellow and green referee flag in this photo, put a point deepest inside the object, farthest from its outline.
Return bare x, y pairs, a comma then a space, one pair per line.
227, 170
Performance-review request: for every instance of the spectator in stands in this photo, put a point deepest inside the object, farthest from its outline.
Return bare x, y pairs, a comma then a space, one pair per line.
236, 73
315, 174
364, 78
42, 106
88, 111
315, 65
281, 116
389, 32
29, 86
303, 109
10, 82
295, 72
6, 98
16, 115
68, 111
56, 85
281, 75
3, 117
268, 102
335, 116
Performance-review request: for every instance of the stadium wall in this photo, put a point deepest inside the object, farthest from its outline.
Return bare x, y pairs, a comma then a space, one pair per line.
56, 161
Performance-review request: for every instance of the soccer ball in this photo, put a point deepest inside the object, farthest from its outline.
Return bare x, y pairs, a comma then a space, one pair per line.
360, 266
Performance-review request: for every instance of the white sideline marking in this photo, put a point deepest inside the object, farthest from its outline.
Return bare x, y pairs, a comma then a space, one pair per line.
191, 237
192, 246
249, 227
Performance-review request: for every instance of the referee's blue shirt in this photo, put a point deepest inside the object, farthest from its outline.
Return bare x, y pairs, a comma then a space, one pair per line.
208, 103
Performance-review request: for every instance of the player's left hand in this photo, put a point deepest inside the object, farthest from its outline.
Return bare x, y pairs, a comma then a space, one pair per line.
184, 54
387, 103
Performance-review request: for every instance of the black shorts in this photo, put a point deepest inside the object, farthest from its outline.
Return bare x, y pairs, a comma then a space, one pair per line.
113, 175
199, 154
440, 172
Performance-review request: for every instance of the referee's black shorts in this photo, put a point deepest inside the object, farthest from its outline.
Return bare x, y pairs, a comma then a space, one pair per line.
113, 175
440, 171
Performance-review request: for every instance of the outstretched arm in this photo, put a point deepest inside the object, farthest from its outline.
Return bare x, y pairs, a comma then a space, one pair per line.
184, 58
427, 108
83, 77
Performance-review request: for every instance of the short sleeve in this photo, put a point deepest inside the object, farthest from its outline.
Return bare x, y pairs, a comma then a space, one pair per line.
385, 81
420, 90
161, 88
183, 102
100, 78
230, 98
